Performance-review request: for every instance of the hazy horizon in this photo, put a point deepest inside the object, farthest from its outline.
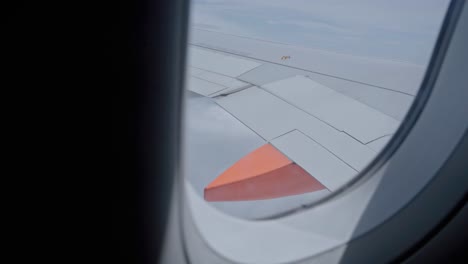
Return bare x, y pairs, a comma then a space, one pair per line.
396, 30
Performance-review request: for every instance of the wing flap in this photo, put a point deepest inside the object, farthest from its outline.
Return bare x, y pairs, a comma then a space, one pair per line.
343, 113
315, 159
203, 87
219, 62
270, 117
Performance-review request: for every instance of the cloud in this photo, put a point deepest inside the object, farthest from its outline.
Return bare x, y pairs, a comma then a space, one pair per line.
314, 26
209, 18
396, 29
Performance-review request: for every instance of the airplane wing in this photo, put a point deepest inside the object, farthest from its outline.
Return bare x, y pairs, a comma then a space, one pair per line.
268, 120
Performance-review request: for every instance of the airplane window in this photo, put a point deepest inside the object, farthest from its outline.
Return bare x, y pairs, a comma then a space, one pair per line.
287, 101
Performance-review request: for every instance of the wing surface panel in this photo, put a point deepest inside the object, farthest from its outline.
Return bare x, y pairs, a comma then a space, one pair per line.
395, 75
270, 117
203, 87
343, 113
315, 159
220, 63
391, 103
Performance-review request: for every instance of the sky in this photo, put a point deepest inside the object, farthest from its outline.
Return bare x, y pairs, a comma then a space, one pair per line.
403, 30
